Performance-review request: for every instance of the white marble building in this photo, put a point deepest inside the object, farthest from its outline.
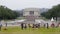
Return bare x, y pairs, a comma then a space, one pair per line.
31, 11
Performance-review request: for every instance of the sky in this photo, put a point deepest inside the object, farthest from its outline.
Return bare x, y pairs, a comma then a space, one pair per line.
21, 4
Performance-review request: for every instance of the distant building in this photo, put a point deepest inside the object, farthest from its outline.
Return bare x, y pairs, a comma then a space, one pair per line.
31, 14
31, 11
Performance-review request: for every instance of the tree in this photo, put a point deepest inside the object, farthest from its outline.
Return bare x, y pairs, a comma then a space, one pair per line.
6, 13
53, 12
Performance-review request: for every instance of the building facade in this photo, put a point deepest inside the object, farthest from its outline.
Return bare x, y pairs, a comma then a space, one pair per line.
31, 11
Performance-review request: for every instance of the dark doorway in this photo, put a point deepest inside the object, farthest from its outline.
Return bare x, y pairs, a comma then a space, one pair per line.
31, 12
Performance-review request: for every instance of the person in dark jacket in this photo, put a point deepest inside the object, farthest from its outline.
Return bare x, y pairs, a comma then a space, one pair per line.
25, 26
22, 26
47, 25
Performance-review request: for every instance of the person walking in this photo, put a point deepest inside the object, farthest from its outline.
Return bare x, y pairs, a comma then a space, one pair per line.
0, 26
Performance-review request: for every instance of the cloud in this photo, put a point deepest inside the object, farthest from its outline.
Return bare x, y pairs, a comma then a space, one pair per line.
20, 4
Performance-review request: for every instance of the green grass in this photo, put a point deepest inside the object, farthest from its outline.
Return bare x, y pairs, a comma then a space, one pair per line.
17, 30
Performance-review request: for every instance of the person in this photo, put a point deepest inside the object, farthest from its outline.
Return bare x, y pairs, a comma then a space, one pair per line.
52, 25
58, 24
25, 26
39, 25
33, 26
29, 25
22, 26
36, 25
47, 25
6, 24
0, 26
44, 24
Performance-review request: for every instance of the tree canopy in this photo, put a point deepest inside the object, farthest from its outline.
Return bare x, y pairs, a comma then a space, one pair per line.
53, 12
6, 13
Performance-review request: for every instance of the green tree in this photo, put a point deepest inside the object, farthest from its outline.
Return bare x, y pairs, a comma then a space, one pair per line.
53, 12
6, 13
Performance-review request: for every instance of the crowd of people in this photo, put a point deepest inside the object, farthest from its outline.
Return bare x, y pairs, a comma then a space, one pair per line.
46, 25
24, 26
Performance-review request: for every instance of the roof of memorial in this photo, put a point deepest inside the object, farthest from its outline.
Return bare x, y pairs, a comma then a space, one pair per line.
31, 9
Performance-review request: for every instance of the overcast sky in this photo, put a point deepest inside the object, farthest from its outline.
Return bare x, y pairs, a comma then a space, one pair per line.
21, 4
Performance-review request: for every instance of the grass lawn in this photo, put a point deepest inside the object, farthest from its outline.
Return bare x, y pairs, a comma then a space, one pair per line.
17, 30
